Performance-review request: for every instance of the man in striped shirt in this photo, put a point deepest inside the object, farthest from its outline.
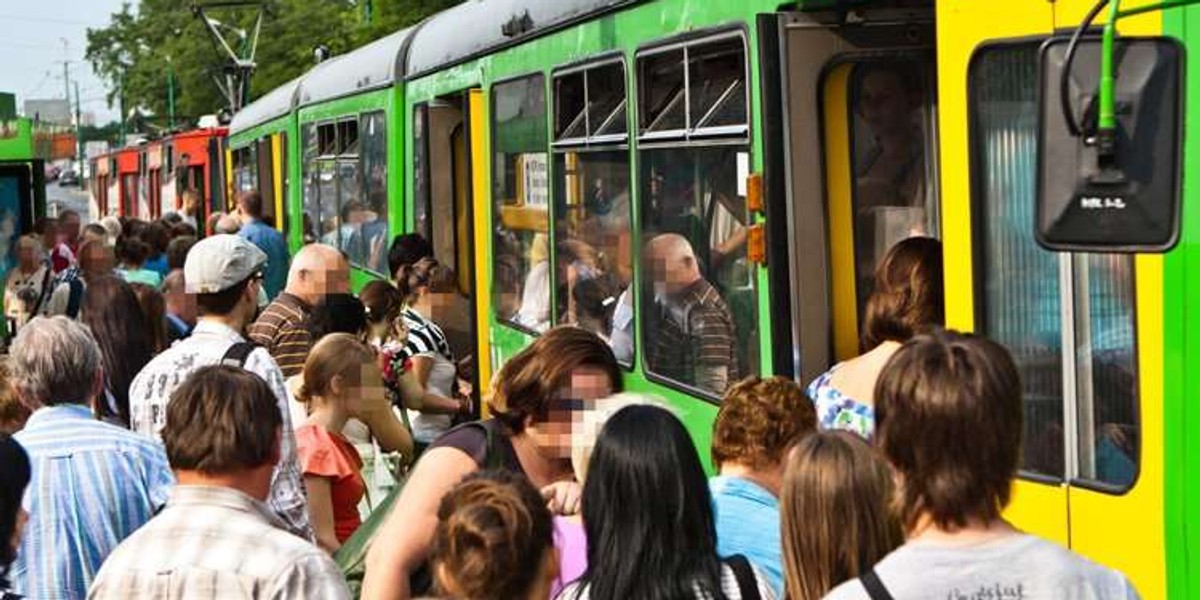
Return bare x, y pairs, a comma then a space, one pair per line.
283, 328
695, 340
93, 483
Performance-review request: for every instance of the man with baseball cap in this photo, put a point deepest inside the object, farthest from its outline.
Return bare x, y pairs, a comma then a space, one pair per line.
225, 274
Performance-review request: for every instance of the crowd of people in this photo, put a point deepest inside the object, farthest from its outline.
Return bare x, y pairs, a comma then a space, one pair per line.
176, 427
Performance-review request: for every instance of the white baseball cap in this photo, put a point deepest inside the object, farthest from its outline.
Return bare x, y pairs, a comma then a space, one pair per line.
220, 262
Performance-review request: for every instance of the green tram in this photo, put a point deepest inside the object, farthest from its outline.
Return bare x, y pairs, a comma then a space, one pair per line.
542, 144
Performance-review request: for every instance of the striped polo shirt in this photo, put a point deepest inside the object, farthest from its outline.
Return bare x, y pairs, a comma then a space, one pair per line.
283, 330
697, 331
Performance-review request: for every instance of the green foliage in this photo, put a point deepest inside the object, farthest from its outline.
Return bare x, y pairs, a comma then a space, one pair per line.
144, 46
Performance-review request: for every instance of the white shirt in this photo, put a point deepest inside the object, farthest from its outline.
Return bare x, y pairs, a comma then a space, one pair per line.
153, 386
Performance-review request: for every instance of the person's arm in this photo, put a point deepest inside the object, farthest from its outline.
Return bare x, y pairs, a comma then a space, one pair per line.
402, 543
430, 402
386, 428
712, 347
320, 511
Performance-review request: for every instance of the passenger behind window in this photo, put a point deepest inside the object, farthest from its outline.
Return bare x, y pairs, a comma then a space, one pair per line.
367, 238
836, 518
666, 547
494, 540
760, 420
535, 297
595, 302
725, 218
694, 339
907, 300
950, 424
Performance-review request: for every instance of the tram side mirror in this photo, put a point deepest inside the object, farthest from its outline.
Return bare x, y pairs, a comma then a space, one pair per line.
1126, 200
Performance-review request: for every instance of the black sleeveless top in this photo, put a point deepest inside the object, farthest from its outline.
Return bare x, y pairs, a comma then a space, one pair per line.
472, 440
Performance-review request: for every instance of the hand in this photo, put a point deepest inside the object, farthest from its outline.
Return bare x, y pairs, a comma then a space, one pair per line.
563, 497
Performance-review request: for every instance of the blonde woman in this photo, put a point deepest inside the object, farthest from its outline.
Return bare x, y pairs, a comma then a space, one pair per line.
835, 517
341, 381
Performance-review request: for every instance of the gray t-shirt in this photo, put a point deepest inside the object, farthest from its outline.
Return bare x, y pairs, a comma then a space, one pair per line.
1020, 567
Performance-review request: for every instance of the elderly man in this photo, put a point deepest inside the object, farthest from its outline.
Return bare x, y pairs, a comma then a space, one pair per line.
215, 529
694, 343
93, 483
250, 211
283, 328
224, 272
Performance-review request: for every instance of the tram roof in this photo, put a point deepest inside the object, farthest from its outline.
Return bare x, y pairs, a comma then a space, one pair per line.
376, 65
478, 26
272, 105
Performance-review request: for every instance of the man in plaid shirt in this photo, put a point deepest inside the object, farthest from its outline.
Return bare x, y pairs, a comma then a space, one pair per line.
216, 538
224, 272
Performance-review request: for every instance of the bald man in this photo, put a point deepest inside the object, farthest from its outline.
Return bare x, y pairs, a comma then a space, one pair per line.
694, 343
283, 327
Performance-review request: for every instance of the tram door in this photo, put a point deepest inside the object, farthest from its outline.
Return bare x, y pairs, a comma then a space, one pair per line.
859, 104
445, 140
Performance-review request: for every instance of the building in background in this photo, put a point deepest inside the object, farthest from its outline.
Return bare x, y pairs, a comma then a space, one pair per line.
49, 111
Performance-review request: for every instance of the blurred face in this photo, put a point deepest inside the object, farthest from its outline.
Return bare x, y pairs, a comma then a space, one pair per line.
565, 415
28, 257
97, 260
364, 388
331, 277
92, 236
50, 237
884, 103
670, 275
70, 227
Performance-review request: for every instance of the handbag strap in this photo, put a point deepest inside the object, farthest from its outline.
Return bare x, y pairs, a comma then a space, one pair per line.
875, 588
744, 574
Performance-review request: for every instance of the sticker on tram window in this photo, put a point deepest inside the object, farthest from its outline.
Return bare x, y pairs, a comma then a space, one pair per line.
743, 172
537, 178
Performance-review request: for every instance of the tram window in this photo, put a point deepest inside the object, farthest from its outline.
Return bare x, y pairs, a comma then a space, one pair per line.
366, 244
664, 99
521, 196
717, 75
421, 210
1024, 303
570, 104
701, 332
245, 168
607, 100
312, 140
895, 196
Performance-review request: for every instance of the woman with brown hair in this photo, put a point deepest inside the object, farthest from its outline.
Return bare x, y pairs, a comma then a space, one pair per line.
835, 517
341, 381
907, 300
536, 398
154, 308
494, 540
112, 313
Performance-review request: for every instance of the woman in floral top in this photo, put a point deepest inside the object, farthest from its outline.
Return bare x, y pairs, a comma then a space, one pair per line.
906, 300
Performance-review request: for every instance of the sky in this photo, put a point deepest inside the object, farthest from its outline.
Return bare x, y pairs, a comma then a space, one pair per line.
32, 50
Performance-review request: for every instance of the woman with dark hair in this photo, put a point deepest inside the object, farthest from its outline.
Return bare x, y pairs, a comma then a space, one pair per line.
109, 307
907, 300
134, 253
15, 473
649, 520
538, 394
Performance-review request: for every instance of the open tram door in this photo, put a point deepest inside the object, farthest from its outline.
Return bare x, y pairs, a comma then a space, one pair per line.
450, 173
851, 145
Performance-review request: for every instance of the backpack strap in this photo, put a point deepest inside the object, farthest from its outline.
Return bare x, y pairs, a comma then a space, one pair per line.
237, 354
744, 574
875, 588
75, 298
46, 291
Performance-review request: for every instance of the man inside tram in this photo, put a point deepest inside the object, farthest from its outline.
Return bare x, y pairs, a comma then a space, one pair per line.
695, 338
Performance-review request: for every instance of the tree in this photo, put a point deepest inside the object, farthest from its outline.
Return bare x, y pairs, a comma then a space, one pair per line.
141, 49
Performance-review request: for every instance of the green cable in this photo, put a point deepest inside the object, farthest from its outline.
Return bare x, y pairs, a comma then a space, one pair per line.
1108, 105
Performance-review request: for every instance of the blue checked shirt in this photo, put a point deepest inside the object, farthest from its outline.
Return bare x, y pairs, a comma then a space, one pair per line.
93, 485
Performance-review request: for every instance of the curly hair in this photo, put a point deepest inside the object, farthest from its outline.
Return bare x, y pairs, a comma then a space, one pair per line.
493, 533
759, 420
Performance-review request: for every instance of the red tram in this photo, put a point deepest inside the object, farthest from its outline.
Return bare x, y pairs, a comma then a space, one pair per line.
148, 180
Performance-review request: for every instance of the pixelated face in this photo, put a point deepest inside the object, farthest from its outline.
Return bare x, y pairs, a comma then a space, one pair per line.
669, 275
332, 278
28, 256
70, 227
364, 388
565, 416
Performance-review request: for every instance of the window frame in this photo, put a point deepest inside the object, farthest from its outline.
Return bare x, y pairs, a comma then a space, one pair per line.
738, 136
493, 136
590, 144
1068, 278
363, 176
